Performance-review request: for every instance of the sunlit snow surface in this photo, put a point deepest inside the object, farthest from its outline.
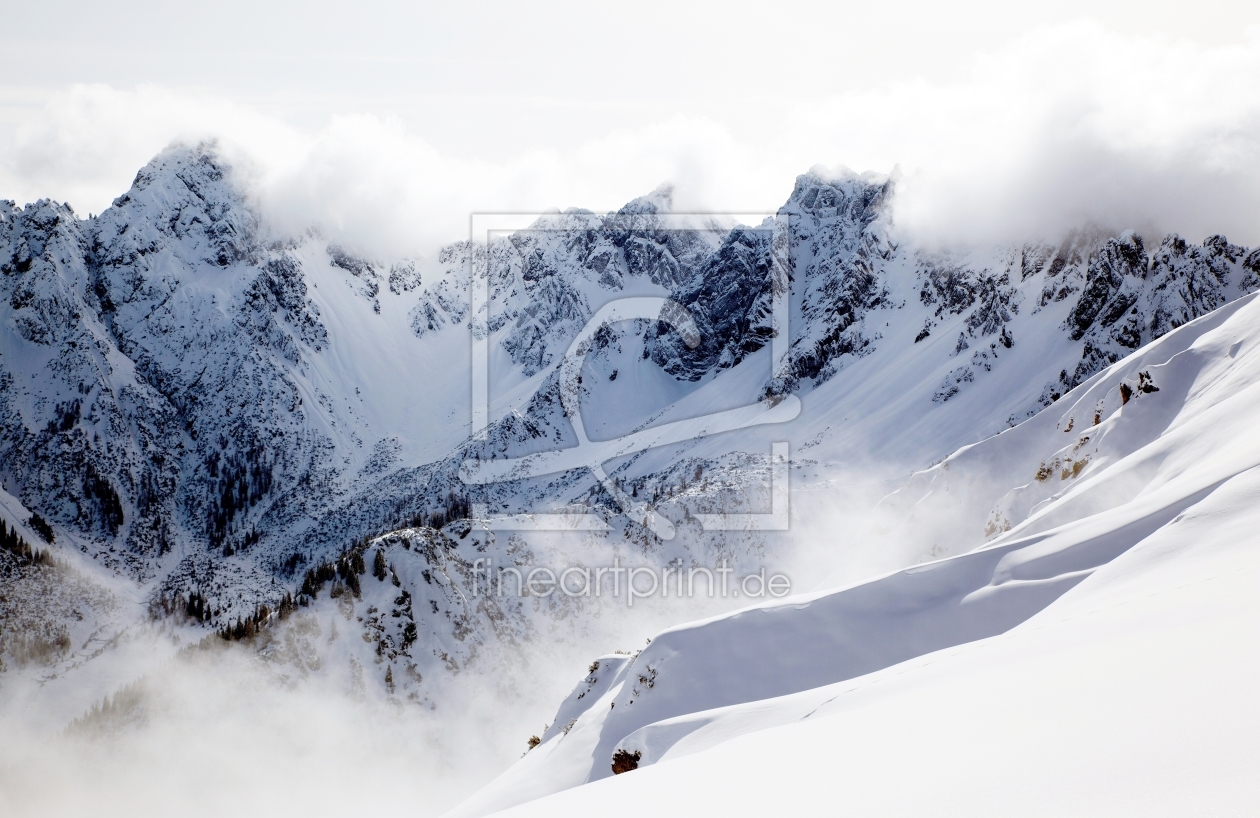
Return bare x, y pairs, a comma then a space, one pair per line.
1096, 658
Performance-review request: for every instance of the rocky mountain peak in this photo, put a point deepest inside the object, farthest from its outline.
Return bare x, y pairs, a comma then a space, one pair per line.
842, 195
186, 195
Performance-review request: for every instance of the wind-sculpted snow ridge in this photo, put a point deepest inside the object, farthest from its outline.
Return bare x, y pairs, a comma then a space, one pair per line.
1132, 692
197, 405
1138, 483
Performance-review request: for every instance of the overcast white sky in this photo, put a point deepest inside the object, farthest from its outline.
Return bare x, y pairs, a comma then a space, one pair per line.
386, 123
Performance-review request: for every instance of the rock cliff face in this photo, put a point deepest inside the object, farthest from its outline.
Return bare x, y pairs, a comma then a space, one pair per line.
157, 382
196, 403
1130, 298
729, 297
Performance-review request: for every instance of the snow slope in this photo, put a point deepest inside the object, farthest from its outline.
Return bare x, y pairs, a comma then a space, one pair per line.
1134, 694
1160, 505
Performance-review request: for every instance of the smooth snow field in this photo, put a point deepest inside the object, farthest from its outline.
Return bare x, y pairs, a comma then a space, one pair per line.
1134, 694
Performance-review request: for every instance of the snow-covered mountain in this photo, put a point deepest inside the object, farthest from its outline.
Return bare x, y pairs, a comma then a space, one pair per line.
210, 416
1096, 651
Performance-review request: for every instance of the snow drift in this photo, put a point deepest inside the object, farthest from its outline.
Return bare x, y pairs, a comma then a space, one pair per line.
1170, 454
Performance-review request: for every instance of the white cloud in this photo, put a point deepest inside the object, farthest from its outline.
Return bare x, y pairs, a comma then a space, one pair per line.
1069, 125
1064, 125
